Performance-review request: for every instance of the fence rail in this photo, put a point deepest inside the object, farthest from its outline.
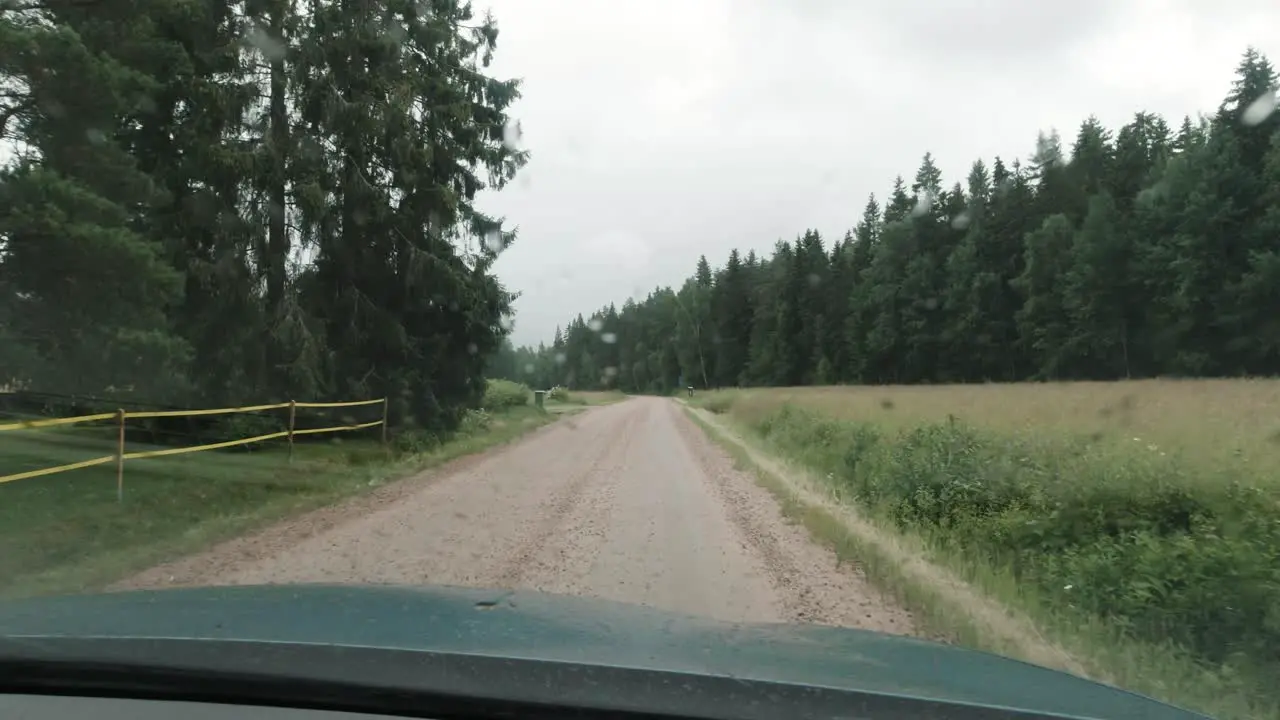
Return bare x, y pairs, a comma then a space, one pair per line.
121, 416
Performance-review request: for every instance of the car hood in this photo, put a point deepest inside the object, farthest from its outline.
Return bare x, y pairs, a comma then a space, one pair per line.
537, 626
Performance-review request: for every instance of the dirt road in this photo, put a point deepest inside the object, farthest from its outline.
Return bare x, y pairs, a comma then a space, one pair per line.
627, 502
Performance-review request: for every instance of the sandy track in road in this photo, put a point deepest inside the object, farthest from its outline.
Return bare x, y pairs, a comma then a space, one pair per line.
628, 502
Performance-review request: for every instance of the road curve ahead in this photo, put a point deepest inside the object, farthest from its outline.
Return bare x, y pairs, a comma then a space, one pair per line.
627, 502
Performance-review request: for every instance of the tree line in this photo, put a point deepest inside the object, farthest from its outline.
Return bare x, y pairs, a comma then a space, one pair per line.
212, 202
1142, 252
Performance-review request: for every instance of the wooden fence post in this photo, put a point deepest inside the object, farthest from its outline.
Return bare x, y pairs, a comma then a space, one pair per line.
120, 455
293, 411
384, 421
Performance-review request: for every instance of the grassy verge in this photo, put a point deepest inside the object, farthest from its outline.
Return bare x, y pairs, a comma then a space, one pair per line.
67, 532
940, 605
561, 399
1154, 574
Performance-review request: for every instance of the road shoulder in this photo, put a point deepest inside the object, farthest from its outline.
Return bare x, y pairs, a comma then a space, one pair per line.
812, 581
265, 541
946, 607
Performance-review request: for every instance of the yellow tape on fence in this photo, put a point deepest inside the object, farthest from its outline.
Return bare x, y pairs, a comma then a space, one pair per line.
29, 424
52, 422
213, 411
361, 426
351, 403
57, 469
198, 448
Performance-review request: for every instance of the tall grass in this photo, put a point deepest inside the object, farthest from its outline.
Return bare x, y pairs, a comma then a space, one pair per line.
1160, 547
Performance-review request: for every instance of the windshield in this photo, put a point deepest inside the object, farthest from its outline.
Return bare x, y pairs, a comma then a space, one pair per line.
943, 321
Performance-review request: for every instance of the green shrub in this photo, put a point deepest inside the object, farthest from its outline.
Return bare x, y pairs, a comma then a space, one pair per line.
559, 394
239, 426
474, 421
411, 441
1125, 534
718, 404
499, 394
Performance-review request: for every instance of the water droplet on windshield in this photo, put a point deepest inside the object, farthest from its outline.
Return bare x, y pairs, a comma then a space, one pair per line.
395, 32
596, 324
494, 242
561, 358
610, 371
608, 338
924, 202
512, 134
1260, 109
272, 48
471, 348
528, 368
960, 222
508, 322
814, 280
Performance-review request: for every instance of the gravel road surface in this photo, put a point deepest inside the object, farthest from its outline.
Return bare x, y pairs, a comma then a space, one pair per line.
627, 502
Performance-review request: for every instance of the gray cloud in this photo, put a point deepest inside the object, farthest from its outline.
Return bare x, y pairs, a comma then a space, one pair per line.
666, 129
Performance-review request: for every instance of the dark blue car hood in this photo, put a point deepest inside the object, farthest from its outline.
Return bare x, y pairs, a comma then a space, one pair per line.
535, 626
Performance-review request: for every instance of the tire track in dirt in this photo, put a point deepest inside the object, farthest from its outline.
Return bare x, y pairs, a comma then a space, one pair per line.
573, 496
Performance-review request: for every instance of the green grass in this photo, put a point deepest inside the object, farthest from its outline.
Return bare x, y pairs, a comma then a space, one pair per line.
562, 396
1160, 573
68, 533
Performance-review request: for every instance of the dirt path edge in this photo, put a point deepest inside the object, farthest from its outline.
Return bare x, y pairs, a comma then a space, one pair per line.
1002, 629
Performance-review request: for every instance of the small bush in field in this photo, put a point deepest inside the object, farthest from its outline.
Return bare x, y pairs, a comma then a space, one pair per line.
559, 394
499, 394
718, 404
413, 441
474, 421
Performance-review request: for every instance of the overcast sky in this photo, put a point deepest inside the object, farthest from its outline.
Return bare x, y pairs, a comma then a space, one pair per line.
661, 130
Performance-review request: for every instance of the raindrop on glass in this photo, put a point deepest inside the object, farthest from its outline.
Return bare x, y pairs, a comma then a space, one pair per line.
272, 48
608, 338
814, 280
610, 371
1260, 109
924, 202
528, 368
960, 222
512, 134
561, 358
494, 242
595, 324
471, 348
396, 32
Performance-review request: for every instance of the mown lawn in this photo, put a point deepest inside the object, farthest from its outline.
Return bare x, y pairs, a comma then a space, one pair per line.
1137, 522
67, 532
